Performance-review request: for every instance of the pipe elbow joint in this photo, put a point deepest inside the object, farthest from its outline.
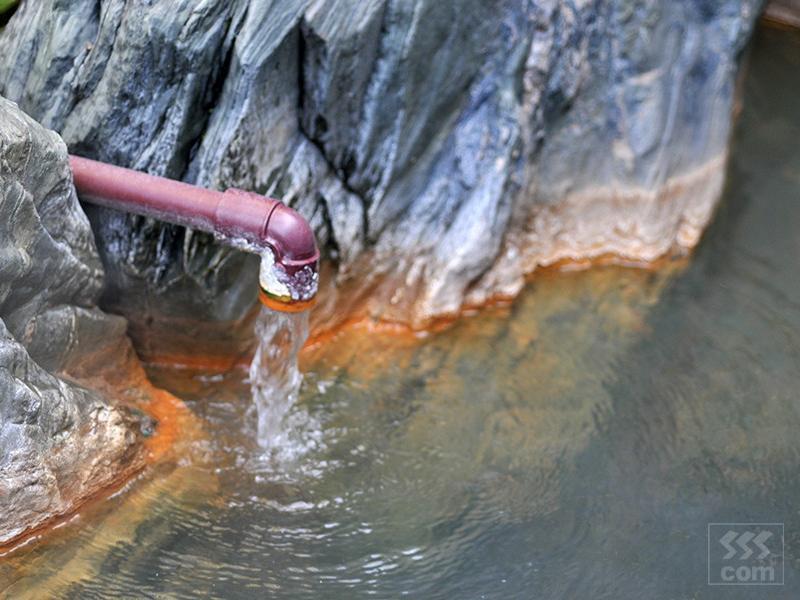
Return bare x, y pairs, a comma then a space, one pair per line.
290, 271
268, 223
293, 286
291, 238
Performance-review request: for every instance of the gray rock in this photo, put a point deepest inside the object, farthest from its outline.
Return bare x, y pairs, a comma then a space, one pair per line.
59, 443
442, 150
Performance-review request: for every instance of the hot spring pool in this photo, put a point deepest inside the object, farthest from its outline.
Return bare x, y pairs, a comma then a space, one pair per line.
575, 444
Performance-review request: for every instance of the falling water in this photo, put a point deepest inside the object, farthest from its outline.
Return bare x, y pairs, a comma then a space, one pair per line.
275, 377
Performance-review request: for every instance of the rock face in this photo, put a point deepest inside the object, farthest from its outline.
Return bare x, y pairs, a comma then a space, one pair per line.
442, 150
59, 443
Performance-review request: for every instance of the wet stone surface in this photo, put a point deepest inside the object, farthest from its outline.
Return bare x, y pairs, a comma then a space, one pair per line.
440, 150
59, 443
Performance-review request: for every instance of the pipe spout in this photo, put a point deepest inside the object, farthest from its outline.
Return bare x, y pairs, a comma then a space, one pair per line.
285, 240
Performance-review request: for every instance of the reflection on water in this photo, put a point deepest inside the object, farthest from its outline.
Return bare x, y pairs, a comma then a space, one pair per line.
575, 444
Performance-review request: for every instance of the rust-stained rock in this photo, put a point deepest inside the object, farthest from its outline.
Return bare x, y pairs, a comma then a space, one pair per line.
60, 443
441, 150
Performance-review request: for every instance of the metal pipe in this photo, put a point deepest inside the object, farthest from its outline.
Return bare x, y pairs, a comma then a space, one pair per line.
242, 218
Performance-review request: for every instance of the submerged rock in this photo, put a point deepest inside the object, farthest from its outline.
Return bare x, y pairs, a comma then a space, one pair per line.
59, 442
442, 150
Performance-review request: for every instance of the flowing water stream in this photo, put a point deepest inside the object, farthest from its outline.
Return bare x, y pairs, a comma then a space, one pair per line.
284, 432
573, 445
275, 378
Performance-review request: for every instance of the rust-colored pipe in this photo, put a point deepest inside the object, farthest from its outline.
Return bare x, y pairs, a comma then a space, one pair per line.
235, 215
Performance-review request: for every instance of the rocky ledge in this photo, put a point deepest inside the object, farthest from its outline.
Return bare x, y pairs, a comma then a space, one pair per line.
442, 150
60, 443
